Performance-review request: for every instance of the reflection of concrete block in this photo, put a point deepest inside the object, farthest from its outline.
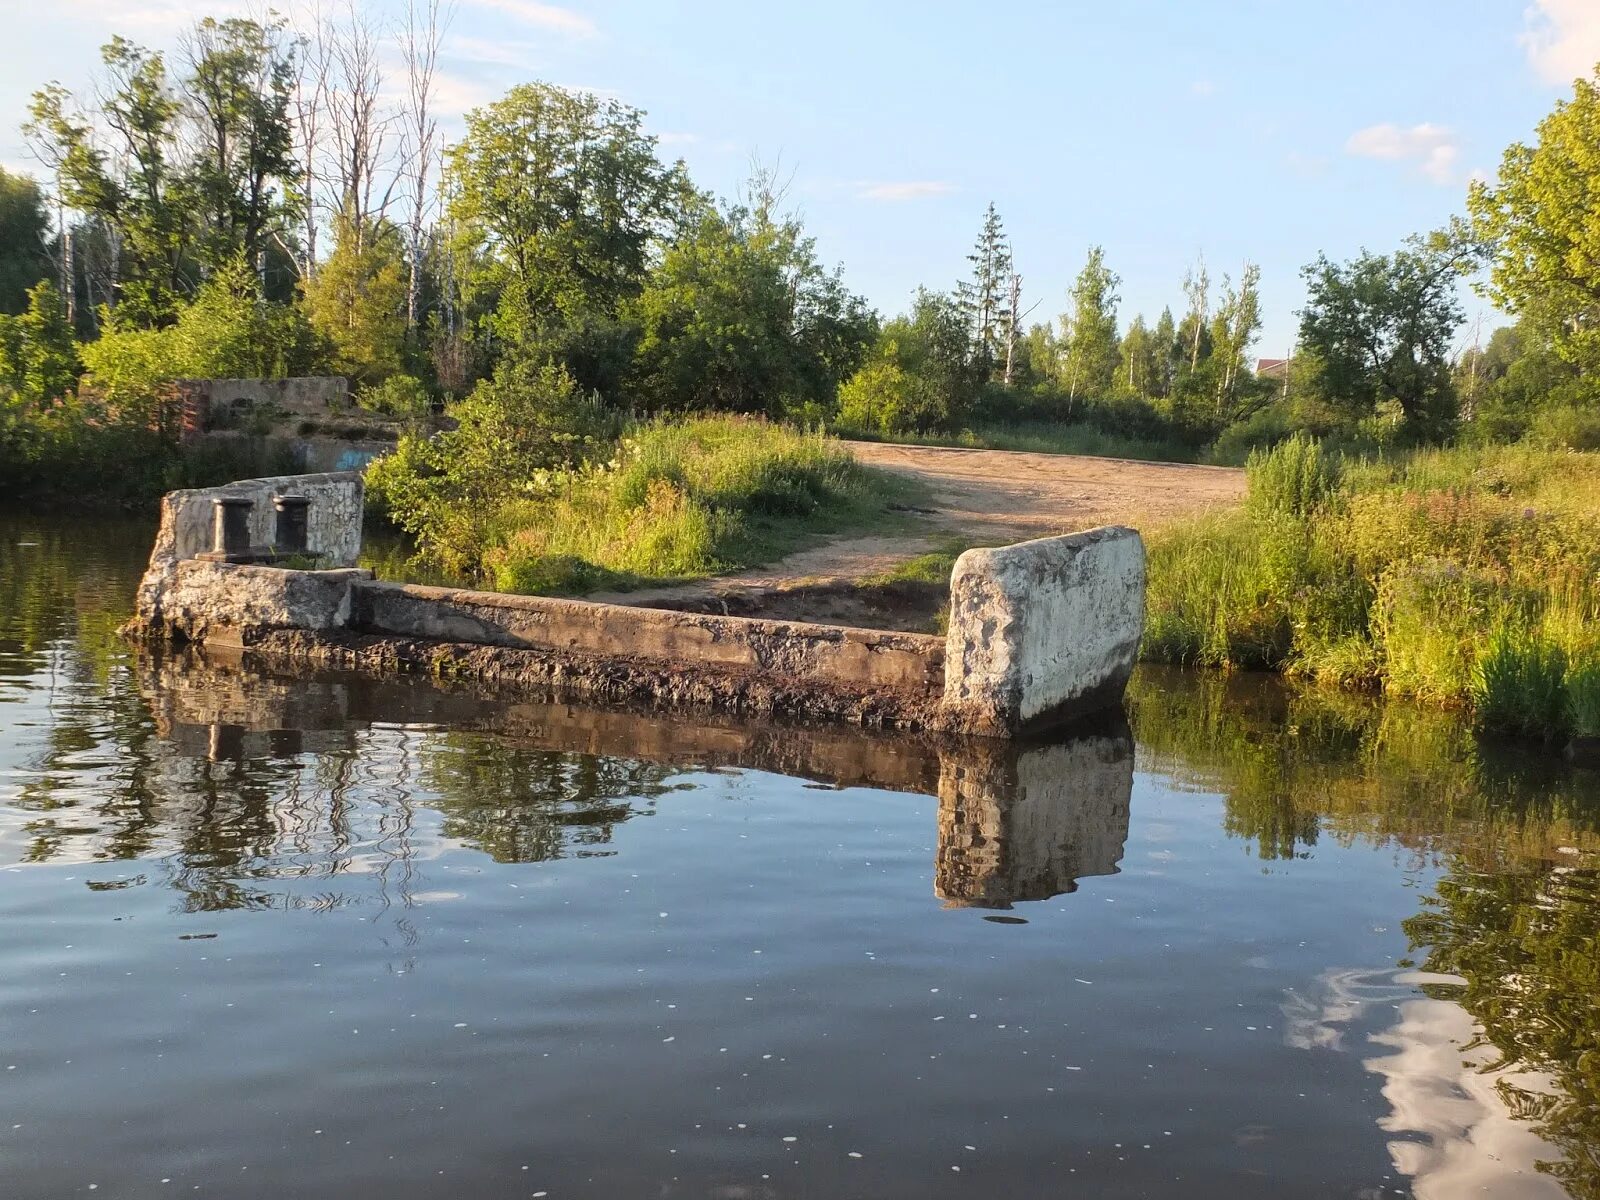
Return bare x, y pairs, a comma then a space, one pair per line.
1044, 631
1027, 824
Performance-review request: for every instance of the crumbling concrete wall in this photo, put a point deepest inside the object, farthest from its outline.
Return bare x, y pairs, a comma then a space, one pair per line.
306, 396
1040, 633
868, 658
333, 527
1045, 631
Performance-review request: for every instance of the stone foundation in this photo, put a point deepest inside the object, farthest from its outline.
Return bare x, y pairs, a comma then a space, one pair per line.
1040, 633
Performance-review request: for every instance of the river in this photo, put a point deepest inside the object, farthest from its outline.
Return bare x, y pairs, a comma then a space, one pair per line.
330, 937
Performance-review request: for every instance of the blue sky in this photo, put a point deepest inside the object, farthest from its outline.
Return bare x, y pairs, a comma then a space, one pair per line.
1265, 130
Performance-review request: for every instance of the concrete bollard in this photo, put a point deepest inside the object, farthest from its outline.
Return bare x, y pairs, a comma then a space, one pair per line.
290, 535
230, 528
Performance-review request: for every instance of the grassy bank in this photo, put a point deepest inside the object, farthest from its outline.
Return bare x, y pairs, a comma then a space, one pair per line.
672, 501
1466, 577
1049, 437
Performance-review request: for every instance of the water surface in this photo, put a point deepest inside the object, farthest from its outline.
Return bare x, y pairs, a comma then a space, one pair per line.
325, 937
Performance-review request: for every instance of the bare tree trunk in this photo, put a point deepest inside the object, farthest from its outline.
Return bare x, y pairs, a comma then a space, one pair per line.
425, 27
1014, 320
311, 103
357, 123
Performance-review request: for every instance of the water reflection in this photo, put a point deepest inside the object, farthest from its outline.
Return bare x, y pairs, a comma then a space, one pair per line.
1495, 1073
1016, 822
1463, 1053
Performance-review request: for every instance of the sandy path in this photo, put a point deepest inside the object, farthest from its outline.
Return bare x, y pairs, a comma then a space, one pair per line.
988, 496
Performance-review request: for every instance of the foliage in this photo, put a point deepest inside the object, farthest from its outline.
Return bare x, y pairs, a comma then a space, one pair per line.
740, 317
397, 396
559, 199
38, 356
1536, 221
24, 239
680, 500
357, 300
229, 331
1382, 328
1464, 576
447, 491
1293, 478
1089, 331
189, 174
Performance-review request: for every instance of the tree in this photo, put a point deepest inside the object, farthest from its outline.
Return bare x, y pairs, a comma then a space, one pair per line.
741, 317
24, 241
1143, 360
357, 301
38, 356
1537, 223
182, 176
423, 35
1382, 327
1233, 332
238, 90
983, 297
557, 198
1090, 330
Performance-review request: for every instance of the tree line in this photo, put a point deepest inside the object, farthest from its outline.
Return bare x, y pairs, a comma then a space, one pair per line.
264, 200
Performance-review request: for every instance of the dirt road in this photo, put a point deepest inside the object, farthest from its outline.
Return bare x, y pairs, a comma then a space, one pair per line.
978, 496
1001, 495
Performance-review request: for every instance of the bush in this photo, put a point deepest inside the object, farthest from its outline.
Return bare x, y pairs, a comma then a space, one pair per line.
1294, 477
397, 396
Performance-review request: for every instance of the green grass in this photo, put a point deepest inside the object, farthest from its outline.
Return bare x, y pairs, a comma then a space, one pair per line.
1049, 437
1464, 577
687, 500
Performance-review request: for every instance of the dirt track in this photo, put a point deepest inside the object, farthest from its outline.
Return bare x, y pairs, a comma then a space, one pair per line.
983, 497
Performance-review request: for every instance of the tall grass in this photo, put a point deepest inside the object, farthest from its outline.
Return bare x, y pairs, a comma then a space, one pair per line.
681, 501
1464, 577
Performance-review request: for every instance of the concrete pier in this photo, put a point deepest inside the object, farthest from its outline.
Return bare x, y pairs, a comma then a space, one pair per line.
1041, 633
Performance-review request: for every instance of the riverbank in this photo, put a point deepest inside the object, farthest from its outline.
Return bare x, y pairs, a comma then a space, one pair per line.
1462, 577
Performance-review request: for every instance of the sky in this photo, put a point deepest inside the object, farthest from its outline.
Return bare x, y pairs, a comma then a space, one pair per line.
1241, 130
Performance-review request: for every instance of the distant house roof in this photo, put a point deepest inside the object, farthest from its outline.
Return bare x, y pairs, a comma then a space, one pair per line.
1268, 367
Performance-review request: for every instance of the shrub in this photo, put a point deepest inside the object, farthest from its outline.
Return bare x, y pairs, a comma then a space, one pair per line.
397, 396
1293, 477
1519, 683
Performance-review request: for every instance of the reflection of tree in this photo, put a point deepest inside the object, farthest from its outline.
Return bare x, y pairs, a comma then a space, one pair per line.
1295, 766
524, 805
1527, 942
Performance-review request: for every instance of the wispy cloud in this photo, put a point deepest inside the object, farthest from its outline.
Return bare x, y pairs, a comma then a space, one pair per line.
1203, 88
549, 17
149, 18
909, 189
1562, 38
1430, 148
493, 52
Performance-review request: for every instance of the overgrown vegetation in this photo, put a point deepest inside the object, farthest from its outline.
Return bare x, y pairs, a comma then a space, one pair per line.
672, 500
1465, 577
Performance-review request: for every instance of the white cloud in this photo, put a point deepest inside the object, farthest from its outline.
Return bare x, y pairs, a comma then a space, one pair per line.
542, 16
455, 96
1431, 148
910, 189
1563, 38
1203, 87
152, 18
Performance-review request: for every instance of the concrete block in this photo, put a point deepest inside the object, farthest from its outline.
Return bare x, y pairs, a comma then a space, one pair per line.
1043, 632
